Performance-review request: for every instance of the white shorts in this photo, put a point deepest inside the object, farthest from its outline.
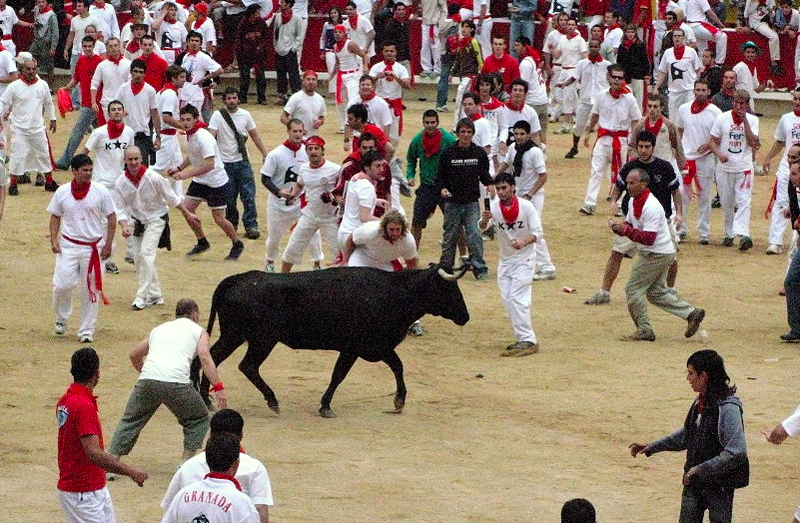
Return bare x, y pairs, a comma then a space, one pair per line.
169, 155
30, 152
87, 507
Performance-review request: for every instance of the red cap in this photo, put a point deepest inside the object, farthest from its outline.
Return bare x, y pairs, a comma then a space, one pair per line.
315, 140
310, 72
340, 28
202, 9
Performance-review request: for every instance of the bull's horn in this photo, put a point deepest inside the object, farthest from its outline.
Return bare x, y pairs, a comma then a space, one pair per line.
446, 276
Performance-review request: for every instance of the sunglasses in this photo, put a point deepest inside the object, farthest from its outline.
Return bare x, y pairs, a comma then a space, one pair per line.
616, 77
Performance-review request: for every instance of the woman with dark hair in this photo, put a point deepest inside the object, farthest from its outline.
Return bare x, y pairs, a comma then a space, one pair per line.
632, 54
334, 19
713, 436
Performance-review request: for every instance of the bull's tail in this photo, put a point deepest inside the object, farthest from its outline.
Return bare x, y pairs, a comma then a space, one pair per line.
212, 315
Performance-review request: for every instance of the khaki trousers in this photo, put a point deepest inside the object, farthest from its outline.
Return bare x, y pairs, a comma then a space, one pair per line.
648, 282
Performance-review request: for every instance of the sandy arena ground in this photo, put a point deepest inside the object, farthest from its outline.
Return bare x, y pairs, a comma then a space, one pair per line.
482, 438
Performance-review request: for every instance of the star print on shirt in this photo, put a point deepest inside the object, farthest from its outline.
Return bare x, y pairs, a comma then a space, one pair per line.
116, 145
290, 176
677, 73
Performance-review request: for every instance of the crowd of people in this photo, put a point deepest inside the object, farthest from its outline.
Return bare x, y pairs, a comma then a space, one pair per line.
144, 90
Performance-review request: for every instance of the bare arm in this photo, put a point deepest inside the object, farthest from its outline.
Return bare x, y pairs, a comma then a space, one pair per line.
349, 247
190, 171
157, 122
359, 52
714, 144
68, 45
257, 141
541, 181
262, 511
55, 225
170, 120
676, 144
285, 118
109, 463
10, 77
713, 18
366, 214
751, 138
138, 353
210, 369
111, 228
676, 196
775, 150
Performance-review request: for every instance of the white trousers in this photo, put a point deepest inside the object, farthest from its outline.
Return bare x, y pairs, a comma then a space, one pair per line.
542, 256
331, 60
779, 222
278, 223
87, 507
703, 37
515, 284
735, 190
600, 165
303, 233
395, 187
348, 90
144, 250
29, 152
430, 48
582, 117
771, 35
169, 157
72, 264
675, 100
555, 93
706, 175
463, 87
567, 94
483, 33
10, 46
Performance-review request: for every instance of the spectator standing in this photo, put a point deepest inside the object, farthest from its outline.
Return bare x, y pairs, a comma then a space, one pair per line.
660, 25
73, 48
681, 67
433, 12
204, 25
251, 49
201, 70
632, 54
522, 23
8, 73
301, 10
156, 71
168, 156
613, 35
468, 61
552, 66
392, 79
45, 38
287, 42
591, 74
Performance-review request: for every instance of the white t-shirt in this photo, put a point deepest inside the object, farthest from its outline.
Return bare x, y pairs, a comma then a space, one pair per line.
755, 12
509, 117
615, 114
110, 77
788, 132
483, 132
652, 219
197, 66
317, 181
389, 88
592, 78
167, 102
202, 145
572, 50
551, 41
359, 34
251, 475
171, 36
696, 128
373, 250
282, 167
360, 193
28, 103
611, 42
681, 74
137, 106
78, 26
533, 75
7, 66
695, 11
171, 348
307, 109
733, 142
83, 220
8, 18
226, 140
107, 20
533, 167
379, 113
746, 80
109, 154
213, 500
526, 225
206, 31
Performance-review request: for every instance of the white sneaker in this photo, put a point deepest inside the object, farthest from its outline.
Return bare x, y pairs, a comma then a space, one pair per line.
587, 210
60, 328
85, 338
598, 299
544, 275
155, 301
269, 267
774, 249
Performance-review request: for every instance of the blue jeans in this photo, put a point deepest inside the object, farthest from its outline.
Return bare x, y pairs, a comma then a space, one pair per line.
446, 63
455, 216
86, 118
792, 293
520, 28
241, 177
717, 501
76, 91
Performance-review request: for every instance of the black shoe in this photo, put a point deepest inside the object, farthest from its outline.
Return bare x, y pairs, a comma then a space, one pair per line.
60, 167
727, 242
252, 233
746, 243
716, 203
236, 250
776, 69
13, 190
111, 268
23, 178
573, 152
694, 320
40, 180
51, 186
790, 337
201, 246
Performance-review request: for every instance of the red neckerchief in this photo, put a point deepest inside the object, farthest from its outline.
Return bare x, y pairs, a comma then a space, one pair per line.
697, 107
198, 125
431, 144
101, 4
513, 107
133, 46
35, 79
638, 203
2, 47
294, 147
475, 116
136, 178
788, 16
137, 88
490, 105
167, 86
596, 60
45, 9
388, 66
796, 113
736, 119
752, 67
510, 213
199, 21
112, 60
654, 129
614, 26
338, 46
353, 21
219, 475
192, 53
628, 43
79, 190
624, 90
679, 52
570, 36
115, 129
673, 27
170, 19
370, 97
286, 16
457, 18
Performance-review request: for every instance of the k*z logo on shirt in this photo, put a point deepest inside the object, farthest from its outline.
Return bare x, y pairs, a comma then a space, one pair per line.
117, 144
511, 226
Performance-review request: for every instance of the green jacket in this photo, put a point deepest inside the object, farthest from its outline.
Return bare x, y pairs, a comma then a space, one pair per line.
428, 166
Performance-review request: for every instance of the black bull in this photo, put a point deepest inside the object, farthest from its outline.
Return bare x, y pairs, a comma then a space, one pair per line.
360, 312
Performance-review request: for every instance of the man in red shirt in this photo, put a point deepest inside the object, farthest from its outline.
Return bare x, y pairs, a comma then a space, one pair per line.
357, 120
81, 76
156, 66
353, 165
82, 462
502, 62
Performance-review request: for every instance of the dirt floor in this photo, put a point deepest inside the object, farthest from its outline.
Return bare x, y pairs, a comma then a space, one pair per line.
482, 438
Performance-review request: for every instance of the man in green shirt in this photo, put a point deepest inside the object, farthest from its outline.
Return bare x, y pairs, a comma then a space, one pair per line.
426, 146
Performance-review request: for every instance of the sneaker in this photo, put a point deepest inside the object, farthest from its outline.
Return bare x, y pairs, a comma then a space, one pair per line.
481, 276
51, 186
746, 244
61, 167
159, 300
202, 246
774, 249
571, 153
13, 190
236, 250
138, 305
544, 275
416, 329
40, 180
521, 348
112, 268
694, 320
587, 210
683, 237
441, 109
23, 178
599, 298
130, 260
269, 267
639, 336
727, 242
704, 240
252, 233
85, 338
716, 203
790, 337
60, 328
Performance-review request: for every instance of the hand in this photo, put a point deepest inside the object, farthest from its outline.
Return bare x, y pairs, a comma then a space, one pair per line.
486, 216
193, 220
686, 479
384, 204
445, 194
527, 196
638, 448
56, 248
66, 54
677, 220
787, 213
171, 172
285, 194
157, 143
722, 158
220, 396
138, 476
347, 146
517, 244
770, 84
52, 53
411, 182
502, 149
776, 436
105, 254
616, 226
53, 126
126, 231
95, 107
586, 140
613, 208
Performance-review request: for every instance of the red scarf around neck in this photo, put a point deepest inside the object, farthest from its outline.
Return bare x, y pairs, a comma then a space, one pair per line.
115, 61
45, 9
79, 190
572, 35
368, 98
595, 60
167, 86
736, 119
100, 5
198, 125
431, 143
2, 47
514, 107
679, 51
353, 21
170, 19
286, 16
628, 43
338, 46
115, 129
199, 21
510, 213
401, 19
624, 90
475, 116
136, 178
388, 66
294, 147
137, 88
796, 113
638, 203
35, 79
697, 106
219, 475
654, 129
133, 46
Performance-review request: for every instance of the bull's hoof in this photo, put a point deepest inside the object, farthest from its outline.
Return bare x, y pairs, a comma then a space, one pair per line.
326, 412
274, 407
398, 403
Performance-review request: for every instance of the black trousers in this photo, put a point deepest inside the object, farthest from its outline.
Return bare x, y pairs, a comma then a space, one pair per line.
145, 144
287, 65
245, 79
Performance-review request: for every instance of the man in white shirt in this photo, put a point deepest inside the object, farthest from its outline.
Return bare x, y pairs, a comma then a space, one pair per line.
746, 73
142, 110
733, 139
201, 70
379, 113
484, 25
570, 50
532, 73
168, 156
106, 16
360, 29
82, 224
706, 26
232, 126
432, 13
552, 67
316, 178
110, 74
209, 182
205, 26
591, 74
9, 19
681, 66
251, 474
380, 244
306, 105
163, 359
288, 34
646, 225
392, 79
217, 497
360, 199
518, 226
350, 61
171, 34
613, 34
514, 111
8, 73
